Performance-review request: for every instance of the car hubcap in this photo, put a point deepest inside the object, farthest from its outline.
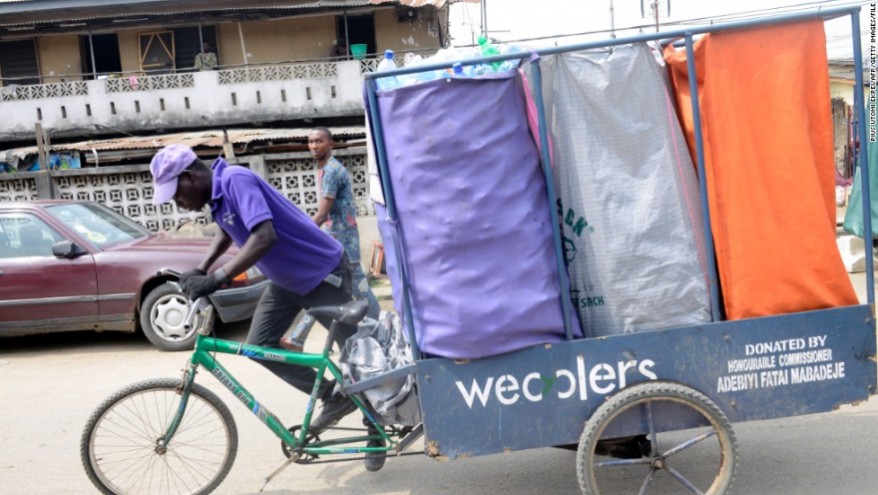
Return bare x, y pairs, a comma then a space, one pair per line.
168, 317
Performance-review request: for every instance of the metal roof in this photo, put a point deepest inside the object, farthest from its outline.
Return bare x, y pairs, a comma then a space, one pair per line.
843, 70
199, 139
23, 13
115, 7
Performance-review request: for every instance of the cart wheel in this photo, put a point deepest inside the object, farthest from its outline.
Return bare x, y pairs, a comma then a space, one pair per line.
702, 459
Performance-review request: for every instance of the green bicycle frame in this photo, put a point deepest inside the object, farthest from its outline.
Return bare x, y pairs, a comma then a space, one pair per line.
204, 356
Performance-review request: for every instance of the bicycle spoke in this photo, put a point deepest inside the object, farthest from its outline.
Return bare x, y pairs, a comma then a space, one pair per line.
172, 475
623, 462
685, 445
646, 482
683, 481
653, 440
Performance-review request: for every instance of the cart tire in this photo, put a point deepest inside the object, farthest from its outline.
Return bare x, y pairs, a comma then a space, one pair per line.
118, 446
713, 443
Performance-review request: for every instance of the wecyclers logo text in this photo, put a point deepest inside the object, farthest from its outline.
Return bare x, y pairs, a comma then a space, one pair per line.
600, 379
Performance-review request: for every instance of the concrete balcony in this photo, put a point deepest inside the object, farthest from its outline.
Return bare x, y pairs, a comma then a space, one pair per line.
185, 100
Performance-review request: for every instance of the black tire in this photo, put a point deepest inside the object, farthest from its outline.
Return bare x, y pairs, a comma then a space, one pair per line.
671, 459
118, 445
161, 318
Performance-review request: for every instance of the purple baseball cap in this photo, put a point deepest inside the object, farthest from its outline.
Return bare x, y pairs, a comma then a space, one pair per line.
166, 165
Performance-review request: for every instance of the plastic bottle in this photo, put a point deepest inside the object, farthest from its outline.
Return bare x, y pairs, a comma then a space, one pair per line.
509, 50
386, 83
489, 50
457, 70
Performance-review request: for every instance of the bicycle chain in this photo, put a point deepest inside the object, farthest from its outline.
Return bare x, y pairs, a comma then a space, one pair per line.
344, 428
348, 459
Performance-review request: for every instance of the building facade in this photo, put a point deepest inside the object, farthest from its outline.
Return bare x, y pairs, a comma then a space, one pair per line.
88, 71
86, 68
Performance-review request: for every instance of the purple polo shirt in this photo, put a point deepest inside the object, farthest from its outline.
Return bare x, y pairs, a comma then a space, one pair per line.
303, 254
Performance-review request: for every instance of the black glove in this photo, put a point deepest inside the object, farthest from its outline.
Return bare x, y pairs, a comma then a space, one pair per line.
200, 285
195, 272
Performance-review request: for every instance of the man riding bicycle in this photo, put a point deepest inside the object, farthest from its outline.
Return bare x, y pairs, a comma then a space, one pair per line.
306, 267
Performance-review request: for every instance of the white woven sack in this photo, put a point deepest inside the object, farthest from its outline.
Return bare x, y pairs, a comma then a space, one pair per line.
628, 193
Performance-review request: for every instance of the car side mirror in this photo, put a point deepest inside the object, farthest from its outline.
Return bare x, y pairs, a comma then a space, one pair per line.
67, 249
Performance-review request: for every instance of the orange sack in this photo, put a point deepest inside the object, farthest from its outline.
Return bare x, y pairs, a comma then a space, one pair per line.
769, 162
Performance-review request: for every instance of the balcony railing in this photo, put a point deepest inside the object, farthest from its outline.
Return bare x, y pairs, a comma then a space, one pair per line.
140, 82
286, 72
230, 96
149, 83
37, 91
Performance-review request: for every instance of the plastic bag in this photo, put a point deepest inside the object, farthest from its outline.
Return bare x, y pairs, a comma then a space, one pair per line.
377, 348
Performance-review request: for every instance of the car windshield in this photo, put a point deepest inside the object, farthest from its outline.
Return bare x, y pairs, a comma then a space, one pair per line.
98, 224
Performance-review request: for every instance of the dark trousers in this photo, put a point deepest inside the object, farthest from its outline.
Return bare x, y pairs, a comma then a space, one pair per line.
275, 313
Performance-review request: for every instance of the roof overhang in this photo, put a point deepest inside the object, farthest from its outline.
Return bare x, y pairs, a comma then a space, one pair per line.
30, 17
208, 141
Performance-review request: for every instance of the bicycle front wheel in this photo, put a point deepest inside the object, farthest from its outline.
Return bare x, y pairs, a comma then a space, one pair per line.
120, 445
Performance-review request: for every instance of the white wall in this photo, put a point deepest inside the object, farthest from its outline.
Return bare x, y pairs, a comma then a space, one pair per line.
210, 103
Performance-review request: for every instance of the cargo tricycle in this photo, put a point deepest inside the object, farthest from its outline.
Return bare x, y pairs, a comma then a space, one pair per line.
648, 411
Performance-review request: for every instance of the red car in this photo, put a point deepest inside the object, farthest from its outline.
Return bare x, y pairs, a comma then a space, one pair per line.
70, 265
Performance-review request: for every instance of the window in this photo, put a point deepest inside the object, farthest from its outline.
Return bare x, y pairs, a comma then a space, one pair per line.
23, 235
106, 54
98, 224
360, 30
157, 52
18, 62
187, 44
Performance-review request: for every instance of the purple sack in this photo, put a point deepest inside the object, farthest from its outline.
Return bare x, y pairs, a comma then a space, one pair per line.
474, 219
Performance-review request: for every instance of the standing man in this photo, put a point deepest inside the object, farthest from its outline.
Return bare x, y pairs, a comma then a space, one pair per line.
306, 267
337, 214
206, 59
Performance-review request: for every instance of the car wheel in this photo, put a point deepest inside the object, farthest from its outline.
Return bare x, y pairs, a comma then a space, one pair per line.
162, 318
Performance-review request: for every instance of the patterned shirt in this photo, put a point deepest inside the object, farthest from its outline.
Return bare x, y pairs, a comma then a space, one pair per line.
334, 182
206, 61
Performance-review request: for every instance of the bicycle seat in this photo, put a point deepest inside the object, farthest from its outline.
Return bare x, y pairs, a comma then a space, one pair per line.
349, 313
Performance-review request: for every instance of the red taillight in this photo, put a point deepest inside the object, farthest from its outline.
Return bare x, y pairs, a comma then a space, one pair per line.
249, 277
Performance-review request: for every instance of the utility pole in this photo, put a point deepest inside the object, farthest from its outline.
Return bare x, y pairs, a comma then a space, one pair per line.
612, 20
43, 179
484, 18
228, 148
655, 7
655, 10
42, 146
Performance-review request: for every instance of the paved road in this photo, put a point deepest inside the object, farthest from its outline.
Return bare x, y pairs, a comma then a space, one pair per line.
51, 384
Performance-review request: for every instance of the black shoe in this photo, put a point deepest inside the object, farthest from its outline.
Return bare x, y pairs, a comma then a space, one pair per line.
334, 408
374, 460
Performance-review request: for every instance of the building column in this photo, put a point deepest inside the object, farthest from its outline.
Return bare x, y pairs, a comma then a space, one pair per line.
257, 165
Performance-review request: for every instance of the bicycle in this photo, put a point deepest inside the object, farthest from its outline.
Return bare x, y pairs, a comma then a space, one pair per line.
175, 436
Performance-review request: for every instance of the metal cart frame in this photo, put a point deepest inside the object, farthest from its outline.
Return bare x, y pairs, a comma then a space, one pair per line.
542, 396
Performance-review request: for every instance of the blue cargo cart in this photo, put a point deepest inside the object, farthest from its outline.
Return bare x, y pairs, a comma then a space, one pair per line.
634, 406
